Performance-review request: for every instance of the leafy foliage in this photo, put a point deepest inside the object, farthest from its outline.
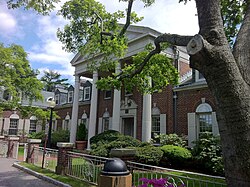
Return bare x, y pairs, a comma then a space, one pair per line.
59, 136
232, 14
148, 154
51, 79
171, 139
207, 151
176, 155
102, 143
81, 133
17, 77
41, 6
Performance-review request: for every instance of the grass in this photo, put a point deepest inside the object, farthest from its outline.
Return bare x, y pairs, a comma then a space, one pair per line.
64, 179
196, 181
21, 151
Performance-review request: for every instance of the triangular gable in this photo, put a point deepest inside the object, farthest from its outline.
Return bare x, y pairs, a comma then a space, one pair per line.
133, 33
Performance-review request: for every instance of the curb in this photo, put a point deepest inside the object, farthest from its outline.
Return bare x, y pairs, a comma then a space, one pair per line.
40, 176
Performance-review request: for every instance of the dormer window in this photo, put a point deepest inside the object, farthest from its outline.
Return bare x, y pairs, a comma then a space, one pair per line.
198, 76
57, 99
86, 95
107, 94
70, 97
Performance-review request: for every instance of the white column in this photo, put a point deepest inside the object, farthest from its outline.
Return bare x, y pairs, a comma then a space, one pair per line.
93, 109
146, 117
74, 115
116, 105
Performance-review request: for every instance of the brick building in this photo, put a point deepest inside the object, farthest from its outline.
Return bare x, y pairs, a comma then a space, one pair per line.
187, 109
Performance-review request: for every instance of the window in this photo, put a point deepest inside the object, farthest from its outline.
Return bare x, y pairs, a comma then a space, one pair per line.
32, 126
205, 122
107, 94
80, 94
70, 97
86, 95
57, 99
63, 98
105, 124
155, 127
66, 124
128, 93
13, 126
198, 76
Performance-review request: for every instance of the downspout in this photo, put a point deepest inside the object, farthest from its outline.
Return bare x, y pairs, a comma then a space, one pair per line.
176, 64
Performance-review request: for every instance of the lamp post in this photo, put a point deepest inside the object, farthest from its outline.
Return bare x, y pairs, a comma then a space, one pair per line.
52, 104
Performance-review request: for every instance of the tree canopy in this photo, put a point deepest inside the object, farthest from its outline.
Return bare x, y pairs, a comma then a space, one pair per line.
51, 79
18, 80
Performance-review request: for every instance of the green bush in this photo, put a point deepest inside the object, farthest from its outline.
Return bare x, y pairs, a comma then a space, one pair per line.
102, 147
171, 139
175, 155
106, 136
59, 136
148, 154
207, 153
81, 133
37, 135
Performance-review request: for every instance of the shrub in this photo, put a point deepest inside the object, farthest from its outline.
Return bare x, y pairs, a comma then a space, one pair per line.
171, 139
149, 154
102, 147
59, 136
81, 133
106, 136
176, 156
207, 152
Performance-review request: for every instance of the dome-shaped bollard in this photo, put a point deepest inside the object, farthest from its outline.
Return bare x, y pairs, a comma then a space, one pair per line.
115, 174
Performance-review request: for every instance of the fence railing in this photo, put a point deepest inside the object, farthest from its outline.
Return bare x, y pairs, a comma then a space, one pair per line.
190, 179
50, 158
85, 167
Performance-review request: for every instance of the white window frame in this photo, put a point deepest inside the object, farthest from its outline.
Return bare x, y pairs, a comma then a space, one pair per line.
13, 126
32, 126
197, 78
86, 94
70, 96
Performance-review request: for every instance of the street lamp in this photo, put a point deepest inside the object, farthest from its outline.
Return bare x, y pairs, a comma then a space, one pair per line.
52, 104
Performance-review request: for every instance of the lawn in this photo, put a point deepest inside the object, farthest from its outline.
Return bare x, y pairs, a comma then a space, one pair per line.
64, 179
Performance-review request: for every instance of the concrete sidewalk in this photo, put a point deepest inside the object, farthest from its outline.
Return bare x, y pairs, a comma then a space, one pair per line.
13, 177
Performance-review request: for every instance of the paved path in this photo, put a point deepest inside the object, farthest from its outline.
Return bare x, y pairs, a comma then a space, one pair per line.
13, 177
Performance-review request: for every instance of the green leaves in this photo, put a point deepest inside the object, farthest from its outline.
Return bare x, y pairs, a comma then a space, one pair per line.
42, 6
17, 79
232, 14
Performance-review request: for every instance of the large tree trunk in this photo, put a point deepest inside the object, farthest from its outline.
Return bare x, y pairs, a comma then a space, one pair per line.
228, 81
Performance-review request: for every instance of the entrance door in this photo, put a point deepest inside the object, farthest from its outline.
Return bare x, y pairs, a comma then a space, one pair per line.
128, 126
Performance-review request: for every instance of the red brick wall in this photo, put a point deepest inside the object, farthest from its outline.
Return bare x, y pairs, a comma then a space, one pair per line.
187, 102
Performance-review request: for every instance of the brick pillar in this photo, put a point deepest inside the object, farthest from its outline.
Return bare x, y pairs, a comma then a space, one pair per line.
11, 141
32, 143
62, 159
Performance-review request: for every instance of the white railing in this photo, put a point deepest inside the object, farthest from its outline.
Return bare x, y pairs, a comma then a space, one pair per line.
85, 167
190, 179
49, 156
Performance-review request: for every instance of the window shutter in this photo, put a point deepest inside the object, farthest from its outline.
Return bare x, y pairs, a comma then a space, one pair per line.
110, 123
20, 126
100, 126
163, 119
191, 129
6, 125
215, 124
27, 126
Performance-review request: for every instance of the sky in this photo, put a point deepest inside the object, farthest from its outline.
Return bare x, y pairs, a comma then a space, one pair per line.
37, 34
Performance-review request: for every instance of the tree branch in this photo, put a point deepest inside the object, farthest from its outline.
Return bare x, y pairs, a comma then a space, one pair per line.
125, 27
174, 39
241, 49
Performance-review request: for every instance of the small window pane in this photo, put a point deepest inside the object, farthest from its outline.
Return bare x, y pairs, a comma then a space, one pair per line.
86, 93
105, 124
13, 126
32, 126
107, 94
155, 127
205, 123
